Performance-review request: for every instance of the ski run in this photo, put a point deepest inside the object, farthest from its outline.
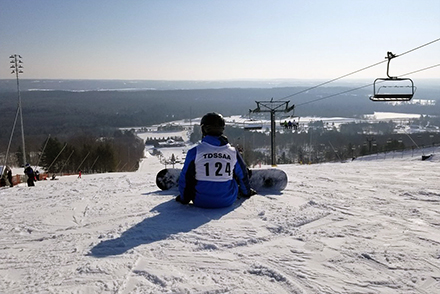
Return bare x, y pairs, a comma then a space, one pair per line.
365, 226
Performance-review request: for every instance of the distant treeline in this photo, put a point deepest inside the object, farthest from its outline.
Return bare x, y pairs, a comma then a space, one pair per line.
65, 114
120, 152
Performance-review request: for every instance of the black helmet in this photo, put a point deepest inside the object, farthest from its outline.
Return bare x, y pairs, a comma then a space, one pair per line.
212, 124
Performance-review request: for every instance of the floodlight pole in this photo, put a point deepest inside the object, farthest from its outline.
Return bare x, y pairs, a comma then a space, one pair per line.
272, 107
17, 69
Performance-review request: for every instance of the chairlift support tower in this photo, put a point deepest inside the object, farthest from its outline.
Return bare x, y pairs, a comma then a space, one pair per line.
272, 107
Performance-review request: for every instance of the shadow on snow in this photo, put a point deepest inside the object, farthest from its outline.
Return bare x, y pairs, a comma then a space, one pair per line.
172, 218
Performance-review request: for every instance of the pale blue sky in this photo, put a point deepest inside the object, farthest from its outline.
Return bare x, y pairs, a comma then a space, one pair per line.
209, 40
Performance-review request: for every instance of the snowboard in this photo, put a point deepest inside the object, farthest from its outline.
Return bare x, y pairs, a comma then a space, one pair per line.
259, 179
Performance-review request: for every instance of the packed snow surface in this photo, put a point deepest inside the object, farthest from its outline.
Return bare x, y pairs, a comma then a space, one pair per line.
369, 226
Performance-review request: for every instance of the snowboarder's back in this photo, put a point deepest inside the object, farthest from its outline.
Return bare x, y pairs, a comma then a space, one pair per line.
213, 171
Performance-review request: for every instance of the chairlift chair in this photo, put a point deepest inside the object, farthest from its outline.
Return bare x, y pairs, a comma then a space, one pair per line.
393, 89
290, 118
252, 123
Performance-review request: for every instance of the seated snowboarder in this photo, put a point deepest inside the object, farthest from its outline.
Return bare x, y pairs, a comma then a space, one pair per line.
214, 171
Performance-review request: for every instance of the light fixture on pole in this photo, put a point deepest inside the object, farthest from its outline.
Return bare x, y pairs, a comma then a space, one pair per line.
17, 68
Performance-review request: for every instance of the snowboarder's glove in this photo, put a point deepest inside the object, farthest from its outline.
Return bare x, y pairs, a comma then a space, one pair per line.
252, 192
181, 200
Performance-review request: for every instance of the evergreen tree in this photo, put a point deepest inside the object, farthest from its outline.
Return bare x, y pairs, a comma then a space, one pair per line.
19, 156
196, 135
105, 158
51, 152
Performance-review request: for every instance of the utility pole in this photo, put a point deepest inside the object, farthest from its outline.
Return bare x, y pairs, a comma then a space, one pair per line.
17, 69
272, 107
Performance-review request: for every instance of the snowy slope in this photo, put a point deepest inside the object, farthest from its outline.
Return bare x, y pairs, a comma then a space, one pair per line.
358, 227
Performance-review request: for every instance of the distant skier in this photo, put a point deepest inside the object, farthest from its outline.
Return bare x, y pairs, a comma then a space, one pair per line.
9, 176
79, 174
30, 174
214, 172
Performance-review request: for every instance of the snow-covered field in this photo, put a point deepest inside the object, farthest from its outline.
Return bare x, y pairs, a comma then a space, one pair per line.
243, 121
368, 226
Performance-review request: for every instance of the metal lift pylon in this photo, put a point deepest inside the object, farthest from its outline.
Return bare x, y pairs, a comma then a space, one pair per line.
273, 107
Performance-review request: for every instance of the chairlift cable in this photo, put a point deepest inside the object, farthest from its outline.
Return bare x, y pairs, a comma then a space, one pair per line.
416, 48
333, 80
333, 95
356, 71
361, 87
416, 71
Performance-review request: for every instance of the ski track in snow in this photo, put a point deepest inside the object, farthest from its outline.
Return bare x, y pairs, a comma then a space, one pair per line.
357, 227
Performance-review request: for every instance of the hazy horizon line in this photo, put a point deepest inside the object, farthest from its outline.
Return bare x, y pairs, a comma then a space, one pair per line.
202, 80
